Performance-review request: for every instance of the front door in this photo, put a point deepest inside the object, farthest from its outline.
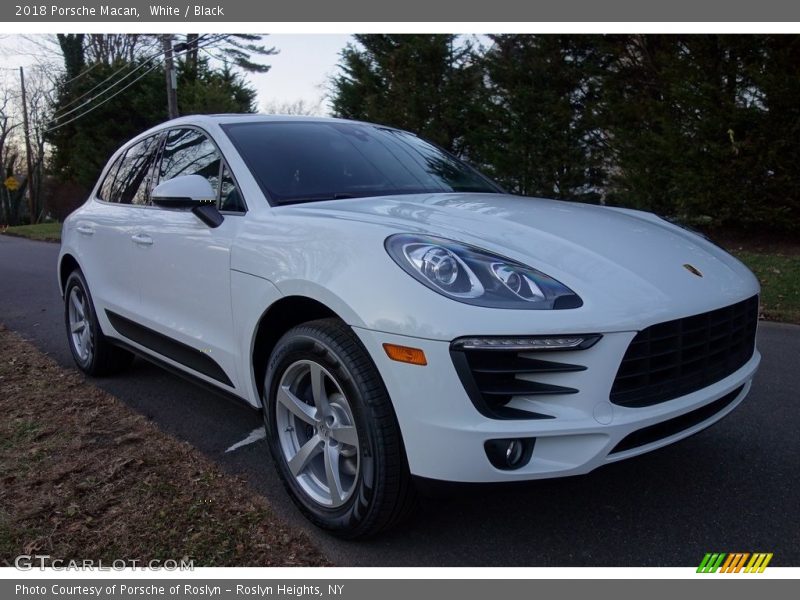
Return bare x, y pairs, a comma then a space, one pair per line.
184, 267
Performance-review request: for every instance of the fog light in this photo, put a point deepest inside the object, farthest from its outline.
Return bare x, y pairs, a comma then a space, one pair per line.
513, 452
509, 454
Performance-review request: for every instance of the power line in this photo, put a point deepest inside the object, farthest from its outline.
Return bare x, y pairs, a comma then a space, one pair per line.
60, 112
81, 74
216, 57
114, 74
114, 95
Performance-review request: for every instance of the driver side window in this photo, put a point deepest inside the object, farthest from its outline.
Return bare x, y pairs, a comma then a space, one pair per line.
189, 152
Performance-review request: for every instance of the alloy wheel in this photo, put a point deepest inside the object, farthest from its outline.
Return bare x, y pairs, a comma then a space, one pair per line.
317, 434
79, 325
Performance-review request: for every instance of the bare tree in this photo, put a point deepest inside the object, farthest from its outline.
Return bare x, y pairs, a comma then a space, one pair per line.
110, 48
11, 189
40, 110
298, 107
14, 177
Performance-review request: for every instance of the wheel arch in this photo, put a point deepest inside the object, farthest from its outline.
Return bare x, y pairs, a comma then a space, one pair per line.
280, 317
66, 265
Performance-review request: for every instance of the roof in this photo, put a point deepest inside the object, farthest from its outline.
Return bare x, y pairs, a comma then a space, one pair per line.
253, 118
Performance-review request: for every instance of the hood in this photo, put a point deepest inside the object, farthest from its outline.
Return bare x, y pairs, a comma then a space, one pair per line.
614, 257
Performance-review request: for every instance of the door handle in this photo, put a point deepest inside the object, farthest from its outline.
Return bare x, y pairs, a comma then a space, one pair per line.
142, 239
85, 229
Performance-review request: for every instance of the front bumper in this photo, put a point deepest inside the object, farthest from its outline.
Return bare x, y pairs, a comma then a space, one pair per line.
444, 434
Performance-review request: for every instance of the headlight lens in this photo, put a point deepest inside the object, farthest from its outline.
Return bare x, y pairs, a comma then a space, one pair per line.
475, 276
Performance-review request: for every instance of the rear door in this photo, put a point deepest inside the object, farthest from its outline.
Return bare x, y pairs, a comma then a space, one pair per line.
185, 264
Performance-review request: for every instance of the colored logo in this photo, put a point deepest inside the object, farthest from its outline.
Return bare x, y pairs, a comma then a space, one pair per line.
692, 269
735, 562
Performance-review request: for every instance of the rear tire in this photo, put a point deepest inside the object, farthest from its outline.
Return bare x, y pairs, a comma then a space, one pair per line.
333, 434
92, 351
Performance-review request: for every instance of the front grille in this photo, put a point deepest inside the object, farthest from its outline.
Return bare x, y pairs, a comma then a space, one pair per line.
679, 357
670, 427
490, 379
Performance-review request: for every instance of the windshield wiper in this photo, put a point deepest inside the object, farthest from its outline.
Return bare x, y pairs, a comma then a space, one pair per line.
336, 196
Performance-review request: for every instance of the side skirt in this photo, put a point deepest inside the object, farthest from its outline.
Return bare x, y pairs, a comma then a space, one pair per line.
191, 378
166, 346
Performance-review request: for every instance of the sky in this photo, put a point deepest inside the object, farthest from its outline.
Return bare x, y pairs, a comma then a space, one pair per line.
299, 72
301, 69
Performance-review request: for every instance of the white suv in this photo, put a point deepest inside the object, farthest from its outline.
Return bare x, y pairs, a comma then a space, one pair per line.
395, 313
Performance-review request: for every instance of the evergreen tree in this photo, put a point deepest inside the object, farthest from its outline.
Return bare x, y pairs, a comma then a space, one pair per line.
691, 130
427, 84
705, 128
539, 135
82, 147
775, 77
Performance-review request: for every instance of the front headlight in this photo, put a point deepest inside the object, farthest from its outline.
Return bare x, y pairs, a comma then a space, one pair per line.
474, 276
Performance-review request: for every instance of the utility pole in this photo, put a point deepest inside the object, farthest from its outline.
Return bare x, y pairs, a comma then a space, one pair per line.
171, 77
31, 196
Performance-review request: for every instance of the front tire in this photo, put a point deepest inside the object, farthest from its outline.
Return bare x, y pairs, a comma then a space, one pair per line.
332, 432
93, 353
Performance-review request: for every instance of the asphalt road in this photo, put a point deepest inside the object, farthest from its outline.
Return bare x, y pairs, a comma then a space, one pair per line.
733, 487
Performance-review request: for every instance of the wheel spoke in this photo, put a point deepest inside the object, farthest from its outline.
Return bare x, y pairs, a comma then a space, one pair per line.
345, 434
300, 460
333, 475
318, 391
310, 395
78, 327
297, 407
84, 338
77, 306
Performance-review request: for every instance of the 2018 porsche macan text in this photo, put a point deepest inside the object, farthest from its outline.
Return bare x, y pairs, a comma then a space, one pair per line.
395, 313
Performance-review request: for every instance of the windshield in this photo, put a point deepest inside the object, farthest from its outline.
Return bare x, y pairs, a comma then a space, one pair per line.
306, 161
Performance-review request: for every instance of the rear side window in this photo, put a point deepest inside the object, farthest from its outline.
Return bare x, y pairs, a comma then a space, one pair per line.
133, 178
104, 193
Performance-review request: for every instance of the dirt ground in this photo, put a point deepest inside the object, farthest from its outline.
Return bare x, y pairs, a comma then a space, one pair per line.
84, 477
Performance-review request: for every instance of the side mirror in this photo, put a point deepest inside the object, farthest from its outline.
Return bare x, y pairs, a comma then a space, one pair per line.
189, 191
186, 191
